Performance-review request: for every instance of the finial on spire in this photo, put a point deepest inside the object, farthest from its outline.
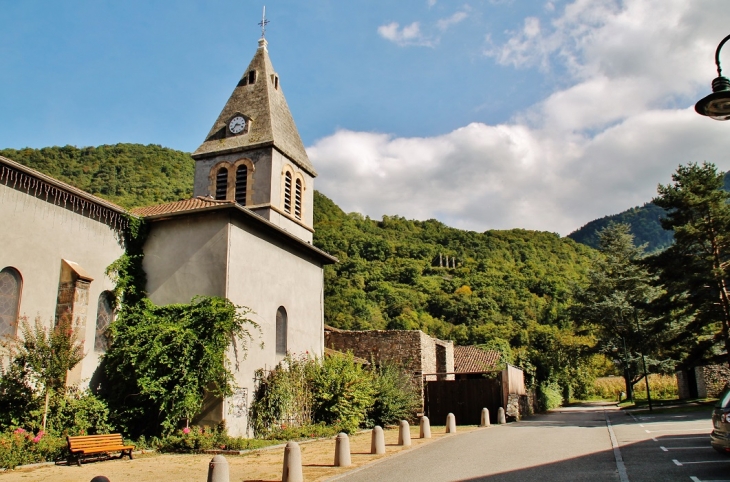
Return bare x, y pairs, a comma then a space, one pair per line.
263, 23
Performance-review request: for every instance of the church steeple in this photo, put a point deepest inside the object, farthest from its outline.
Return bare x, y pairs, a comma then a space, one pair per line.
258, 98
254, 156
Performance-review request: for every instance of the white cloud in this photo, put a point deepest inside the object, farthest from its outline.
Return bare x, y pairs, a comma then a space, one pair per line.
412, 35
447, 22
623, 123
408, 35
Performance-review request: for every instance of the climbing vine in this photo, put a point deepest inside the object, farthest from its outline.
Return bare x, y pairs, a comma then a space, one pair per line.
165, 360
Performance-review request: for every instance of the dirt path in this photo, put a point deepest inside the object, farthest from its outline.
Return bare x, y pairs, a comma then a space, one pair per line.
265, 465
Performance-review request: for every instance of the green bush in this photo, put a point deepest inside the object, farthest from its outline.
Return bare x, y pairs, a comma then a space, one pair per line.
549, 395
198, 439
20, 447
397, 397
17, 399
317, 430
78, 413
283, 396
343, 392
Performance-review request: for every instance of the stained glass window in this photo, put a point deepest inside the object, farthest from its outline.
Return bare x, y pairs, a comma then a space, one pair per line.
281, 322
104, 318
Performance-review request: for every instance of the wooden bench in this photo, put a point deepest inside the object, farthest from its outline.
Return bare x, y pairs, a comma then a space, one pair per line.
97, 445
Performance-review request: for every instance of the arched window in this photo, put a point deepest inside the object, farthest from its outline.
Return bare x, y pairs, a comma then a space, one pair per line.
241, 180
104, 318
298, 199
281, 322
287, 192
221, 184
10, 286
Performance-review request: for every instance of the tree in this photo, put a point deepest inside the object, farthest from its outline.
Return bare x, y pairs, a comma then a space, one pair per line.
616, 303
694, 270
46, 354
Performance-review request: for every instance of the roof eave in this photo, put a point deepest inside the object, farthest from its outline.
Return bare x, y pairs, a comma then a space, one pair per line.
323, 256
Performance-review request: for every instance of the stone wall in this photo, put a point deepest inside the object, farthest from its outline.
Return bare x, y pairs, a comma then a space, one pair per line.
519, 406
403, 347
708, 380
711, 379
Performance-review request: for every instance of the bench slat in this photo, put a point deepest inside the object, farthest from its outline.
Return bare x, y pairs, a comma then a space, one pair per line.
96, 444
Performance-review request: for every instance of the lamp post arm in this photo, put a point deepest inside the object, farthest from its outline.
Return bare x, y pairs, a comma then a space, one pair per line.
717, 55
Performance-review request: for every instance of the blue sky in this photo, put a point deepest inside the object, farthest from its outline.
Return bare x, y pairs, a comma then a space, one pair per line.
483, 114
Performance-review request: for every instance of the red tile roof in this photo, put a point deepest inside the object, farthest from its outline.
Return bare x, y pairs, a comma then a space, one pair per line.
178, 206
472, 359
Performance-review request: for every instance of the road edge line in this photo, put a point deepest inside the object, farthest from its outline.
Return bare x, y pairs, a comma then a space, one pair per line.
620, 466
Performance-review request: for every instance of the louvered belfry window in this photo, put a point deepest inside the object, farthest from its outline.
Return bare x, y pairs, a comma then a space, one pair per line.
221, 184
298, 199
241, 181
281, 328
104, 318
10, 287
287, 192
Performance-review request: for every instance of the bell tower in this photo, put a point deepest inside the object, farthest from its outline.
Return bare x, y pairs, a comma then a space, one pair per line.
254, 156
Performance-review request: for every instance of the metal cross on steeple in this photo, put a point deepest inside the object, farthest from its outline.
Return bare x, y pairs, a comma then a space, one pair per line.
263, 23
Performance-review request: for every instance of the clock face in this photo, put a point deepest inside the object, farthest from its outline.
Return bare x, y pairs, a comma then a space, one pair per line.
237, 124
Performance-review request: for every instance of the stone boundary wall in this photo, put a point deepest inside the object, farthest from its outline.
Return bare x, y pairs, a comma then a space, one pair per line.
710, 380
403, 347
520, 406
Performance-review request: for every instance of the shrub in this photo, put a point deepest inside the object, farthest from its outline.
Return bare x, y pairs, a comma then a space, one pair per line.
549, 395
343, 392
78, 413
199, 439
317, 430
17, 399
397, 397
662, 387
283, 396
21, 447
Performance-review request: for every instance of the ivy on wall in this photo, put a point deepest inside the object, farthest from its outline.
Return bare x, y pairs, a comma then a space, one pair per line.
164, 360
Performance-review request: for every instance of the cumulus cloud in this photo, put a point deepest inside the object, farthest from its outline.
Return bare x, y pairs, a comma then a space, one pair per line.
621, 124
412, 35
407, 35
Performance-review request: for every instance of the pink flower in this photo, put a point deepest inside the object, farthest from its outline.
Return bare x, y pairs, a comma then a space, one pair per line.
19, 430
186, 430
38, 437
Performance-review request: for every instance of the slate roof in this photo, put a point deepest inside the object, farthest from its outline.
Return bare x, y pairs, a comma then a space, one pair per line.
264, 104
472, 359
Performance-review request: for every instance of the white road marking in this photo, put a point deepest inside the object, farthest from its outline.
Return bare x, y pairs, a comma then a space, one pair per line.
654, 439
622, 475
677, 430
682, 448
702, 462
697, 479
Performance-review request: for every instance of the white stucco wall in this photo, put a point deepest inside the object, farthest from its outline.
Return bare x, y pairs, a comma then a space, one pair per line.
185, 257
35, 236
214, 254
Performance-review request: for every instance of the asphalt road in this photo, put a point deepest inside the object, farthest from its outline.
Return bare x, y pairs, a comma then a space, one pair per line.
564, 445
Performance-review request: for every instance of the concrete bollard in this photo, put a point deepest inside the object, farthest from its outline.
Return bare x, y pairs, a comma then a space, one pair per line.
404, 434
218, 469
100, 478
450, 423
342, 451
425, 428
377, 443
292, 463
485, 418
500, 416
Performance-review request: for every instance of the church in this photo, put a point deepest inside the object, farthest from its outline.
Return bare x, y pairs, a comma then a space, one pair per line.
246, 234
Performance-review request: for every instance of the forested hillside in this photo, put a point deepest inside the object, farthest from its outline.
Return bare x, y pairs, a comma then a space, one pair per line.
511, 290
131, 175
644, 222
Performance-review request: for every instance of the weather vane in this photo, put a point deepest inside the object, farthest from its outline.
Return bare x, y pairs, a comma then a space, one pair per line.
263, 23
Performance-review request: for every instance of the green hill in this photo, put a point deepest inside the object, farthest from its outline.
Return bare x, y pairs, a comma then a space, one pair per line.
131, 175
645, 226
508, 288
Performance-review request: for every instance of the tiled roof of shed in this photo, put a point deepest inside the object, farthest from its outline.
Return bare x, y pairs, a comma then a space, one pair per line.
178, 206
472, 359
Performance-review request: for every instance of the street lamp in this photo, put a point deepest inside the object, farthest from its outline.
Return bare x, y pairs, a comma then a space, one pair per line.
717, 104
